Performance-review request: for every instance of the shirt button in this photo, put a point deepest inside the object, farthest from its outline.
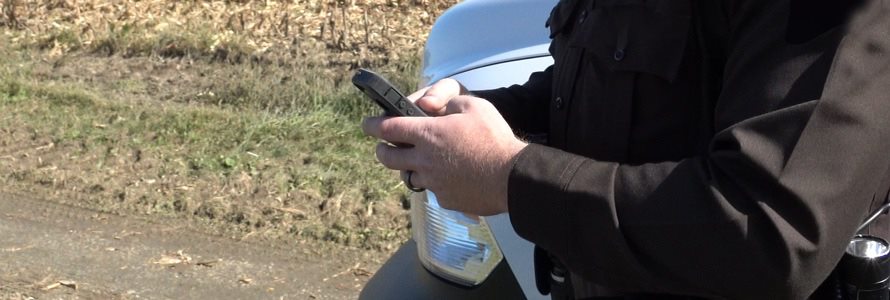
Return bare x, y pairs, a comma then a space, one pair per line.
582, 17
618, 55
558, 102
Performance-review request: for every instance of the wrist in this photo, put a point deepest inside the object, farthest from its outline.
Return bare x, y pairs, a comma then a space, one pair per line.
513, 152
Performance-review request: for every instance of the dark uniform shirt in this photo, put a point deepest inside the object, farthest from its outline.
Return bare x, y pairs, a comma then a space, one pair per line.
687, 151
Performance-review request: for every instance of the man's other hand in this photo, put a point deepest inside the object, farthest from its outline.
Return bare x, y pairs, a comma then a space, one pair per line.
464, 155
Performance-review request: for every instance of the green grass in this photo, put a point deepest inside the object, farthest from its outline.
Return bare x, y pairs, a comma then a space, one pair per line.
218, 140
245, 128
291, 129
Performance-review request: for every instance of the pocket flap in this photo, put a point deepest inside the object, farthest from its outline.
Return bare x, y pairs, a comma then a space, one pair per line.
635, 38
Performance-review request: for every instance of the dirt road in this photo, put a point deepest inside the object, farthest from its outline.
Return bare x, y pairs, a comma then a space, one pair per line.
50, 250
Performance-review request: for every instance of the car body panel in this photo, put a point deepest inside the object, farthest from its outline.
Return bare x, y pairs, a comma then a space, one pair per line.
404, 277
518, 252
487, 44
483, 44
502, 74
478, 33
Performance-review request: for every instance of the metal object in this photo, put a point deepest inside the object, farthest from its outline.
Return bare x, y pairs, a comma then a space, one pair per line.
865, 269
868, 247
874, 216
408, 183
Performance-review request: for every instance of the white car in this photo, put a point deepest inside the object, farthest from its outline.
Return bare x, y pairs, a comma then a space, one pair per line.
488, 44
483, 44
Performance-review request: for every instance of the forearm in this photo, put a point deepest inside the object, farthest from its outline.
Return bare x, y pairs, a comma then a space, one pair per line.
764, 215
736, 224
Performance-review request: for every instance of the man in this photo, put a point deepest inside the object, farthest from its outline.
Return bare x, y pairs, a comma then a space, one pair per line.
687, 152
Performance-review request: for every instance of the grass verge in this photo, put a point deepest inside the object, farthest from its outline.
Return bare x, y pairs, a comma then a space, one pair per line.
249, 149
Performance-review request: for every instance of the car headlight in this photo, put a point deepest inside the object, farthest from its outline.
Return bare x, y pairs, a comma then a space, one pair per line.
453, 245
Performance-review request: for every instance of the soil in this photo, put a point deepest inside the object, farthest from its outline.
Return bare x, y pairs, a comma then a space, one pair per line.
108, 220
77, 226
112, 175
53, 250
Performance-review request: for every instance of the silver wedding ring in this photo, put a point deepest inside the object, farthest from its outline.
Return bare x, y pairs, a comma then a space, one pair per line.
408, 184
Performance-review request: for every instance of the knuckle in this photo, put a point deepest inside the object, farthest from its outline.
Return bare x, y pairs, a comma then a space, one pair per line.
428, 134
444, 82
450, 83
444, 87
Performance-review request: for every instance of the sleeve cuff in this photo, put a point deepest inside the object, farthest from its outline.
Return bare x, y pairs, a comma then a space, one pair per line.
538, 208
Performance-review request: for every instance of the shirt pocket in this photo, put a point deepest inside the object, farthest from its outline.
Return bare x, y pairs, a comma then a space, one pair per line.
636, 36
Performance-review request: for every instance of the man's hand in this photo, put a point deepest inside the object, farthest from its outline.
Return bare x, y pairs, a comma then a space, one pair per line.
464, 155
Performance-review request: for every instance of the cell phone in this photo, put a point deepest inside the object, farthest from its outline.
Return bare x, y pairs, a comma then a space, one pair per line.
385, 94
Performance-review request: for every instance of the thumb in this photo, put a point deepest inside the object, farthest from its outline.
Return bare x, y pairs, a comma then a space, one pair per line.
417, 94
435, 98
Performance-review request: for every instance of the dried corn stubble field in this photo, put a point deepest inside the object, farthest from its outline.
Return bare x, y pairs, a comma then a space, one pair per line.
234, 115
313, 32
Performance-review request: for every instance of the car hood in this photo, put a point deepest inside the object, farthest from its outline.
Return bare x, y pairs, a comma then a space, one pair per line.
477, 33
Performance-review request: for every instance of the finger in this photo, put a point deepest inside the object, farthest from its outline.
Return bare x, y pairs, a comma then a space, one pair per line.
371, 125
404, 130
431, 105
438, 95
428, 104
397, 158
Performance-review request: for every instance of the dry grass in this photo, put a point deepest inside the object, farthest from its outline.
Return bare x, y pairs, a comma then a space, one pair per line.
76, 133
230, 113
324, 32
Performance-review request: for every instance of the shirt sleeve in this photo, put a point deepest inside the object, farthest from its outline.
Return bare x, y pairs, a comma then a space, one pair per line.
522, 105
766, 212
